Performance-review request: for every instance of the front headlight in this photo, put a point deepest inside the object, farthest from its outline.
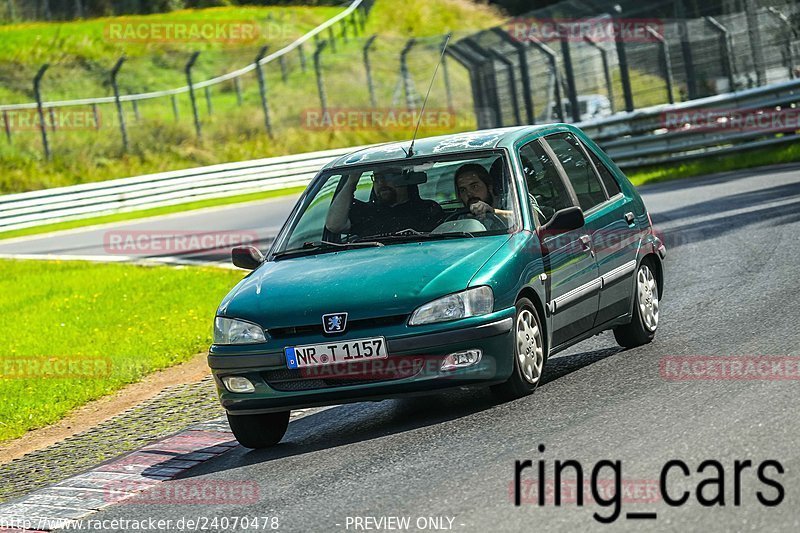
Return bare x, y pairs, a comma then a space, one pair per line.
471, 302
232, 331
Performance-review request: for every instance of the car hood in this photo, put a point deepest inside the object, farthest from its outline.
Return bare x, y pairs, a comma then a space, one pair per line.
365, 282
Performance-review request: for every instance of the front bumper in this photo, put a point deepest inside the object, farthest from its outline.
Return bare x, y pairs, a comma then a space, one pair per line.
413, 367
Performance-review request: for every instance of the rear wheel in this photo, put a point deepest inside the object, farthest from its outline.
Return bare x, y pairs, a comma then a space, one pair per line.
259, 431
644, 322
529, 354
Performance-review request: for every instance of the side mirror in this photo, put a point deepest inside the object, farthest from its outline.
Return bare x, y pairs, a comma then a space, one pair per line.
564, 220
247, 257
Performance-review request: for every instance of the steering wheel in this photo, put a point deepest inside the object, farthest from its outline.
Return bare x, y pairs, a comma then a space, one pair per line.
464, 211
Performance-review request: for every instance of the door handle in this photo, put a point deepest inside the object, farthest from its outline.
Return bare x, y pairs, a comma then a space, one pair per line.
629, 218
586, 241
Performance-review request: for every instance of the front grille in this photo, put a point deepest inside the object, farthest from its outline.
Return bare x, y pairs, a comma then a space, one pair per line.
352, 325
342, 375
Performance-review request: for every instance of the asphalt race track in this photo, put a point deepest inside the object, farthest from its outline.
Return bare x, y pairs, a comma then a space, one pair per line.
731, 290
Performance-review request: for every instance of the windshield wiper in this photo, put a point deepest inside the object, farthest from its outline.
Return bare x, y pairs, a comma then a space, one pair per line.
313, 247
408, 234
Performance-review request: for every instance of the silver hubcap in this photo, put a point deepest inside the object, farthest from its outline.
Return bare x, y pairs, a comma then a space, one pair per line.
529, 346
648, 298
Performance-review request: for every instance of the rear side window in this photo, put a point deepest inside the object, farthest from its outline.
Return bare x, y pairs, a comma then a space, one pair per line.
580, 172
612, 187
546, 191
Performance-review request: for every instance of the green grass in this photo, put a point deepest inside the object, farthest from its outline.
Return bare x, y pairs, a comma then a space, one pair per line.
231, 132
144, 213
134, 319
788, 153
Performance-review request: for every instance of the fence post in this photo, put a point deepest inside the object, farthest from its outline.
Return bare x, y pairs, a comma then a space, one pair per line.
237, 85
282, 63
552, 59
52, 112
120, 112
208, 100
666, 64
42, 125
302, 52
524, 72
512, 82
622, 57
175, 107
368, 68
754, 35
188, 69
725, 51
7, 126
490, 80
96, 114
571, 88
404, 74
135, 106
344, 30
606, 68
331, 38
262, 89
446, 75
788, 54
323, 98
464, 57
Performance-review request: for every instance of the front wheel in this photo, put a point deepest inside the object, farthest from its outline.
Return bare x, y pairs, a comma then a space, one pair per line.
259, 431
644, 322
529, 354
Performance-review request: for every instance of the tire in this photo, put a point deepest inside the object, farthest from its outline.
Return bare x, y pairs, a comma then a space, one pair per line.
644, 322
530, 354
259, 431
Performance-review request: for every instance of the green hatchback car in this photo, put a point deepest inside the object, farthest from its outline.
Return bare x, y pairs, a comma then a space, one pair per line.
465, 260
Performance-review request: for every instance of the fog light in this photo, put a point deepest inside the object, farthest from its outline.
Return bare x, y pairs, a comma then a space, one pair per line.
238, 384
461, 359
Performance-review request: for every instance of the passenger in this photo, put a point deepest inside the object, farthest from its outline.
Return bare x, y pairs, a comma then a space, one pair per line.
394, 206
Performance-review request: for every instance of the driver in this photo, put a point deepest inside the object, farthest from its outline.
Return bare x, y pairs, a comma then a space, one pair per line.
394, 206
474, 188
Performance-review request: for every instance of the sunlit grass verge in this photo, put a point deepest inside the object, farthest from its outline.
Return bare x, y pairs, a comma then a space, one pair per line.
145, 213
115, 323
745, 159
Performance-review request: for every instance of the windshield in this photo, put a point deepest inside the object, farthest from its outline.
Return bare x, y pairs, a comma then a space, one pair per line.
423, 199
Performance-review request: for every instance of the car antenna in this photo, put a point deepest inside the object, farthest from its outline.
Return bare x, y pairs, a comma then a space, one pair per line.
410, 151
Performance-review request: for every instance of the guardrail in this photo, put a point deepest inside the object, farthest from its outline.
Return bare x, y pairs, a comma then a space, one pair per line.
631, 139
46, 206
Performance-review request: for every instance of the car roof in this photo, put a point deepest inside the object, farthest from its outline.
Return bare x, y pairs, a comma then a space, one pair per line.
441, 145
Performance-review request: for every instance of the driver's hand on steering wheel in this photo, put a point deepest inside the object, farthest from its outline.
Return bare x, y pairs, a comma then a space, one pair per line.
480, 209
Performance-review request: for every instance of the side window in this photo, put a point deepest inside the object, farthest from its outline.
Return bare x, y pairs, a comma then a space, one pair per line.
612, 187
585, 182
546, 192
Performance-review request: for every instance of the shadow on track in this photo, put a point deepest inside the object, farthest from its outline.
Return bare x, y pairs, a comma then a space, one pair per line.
359, 422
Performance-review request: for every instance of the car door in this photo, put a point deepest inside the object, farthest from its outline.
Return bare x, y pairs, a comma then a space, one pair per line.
609, 222
615, 244
570, 268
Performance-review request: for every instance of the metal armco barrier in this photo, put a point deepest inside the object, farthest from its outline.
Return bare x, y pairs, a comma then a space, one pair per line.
632, 139
156, 190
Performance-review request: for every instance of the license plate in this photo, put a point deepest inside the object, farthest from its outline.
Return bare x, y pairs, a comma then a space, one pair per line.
331, 353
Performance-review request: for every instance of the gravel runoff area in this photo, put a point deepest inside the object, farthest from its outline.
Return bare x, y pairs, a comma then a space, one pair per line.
172, 410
